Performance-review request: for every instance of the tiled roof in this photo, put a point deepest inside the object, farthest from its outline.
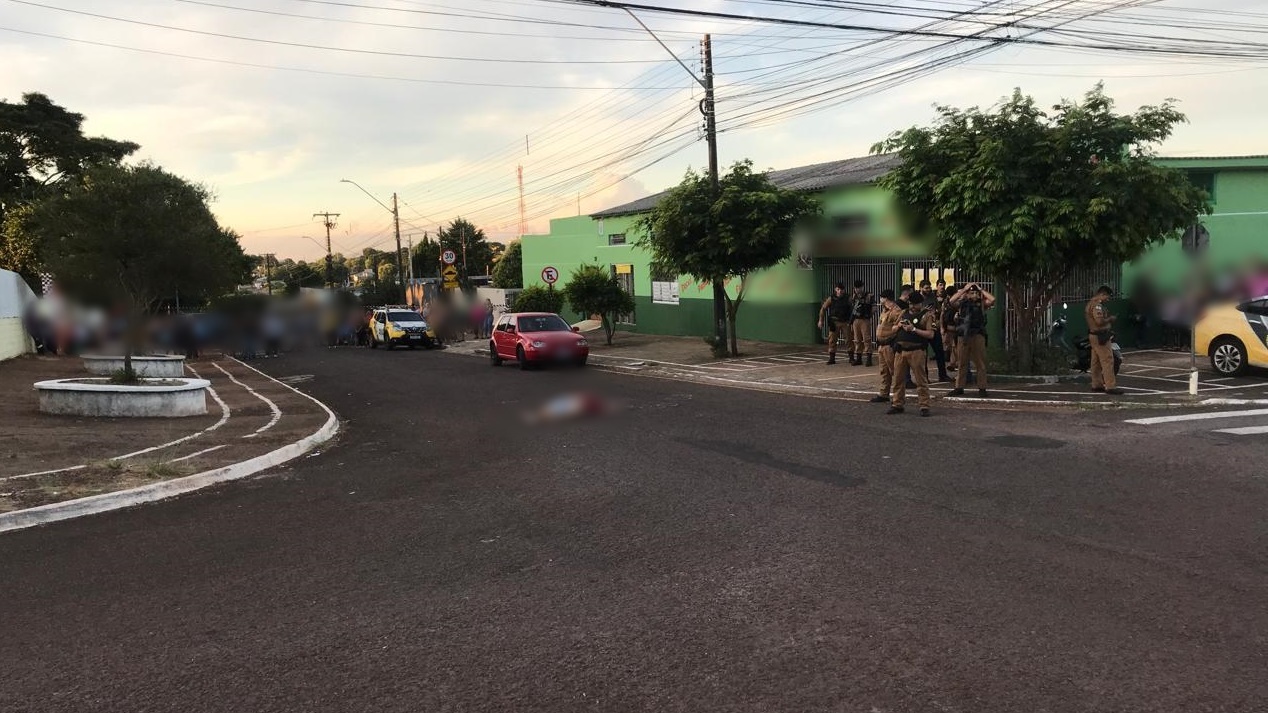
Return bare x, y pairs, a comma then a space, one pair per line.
849, 172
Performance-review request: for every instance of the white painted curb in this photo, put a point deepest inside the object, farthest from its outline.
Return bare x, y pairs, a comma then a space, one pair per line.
105, 502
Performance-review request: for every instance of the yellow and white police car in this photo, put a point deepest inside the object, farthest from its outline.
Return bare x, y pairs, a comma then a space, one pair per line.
400, 326
1234, 336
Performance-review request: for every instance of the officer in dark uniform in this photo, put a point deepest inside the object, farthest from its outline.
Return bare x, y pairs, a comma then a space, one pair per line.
935, 304
836, 308
861, 326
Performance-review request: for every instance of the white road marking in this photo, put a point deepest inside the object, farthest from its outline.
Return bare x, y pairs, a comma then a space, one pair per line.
198, 453
1249, 431
224, 416
1198, 417
277, 412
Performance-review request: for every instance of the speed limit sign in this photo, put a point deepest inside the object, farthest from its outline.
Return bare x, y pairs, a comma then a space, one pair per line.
449, 257
550, 275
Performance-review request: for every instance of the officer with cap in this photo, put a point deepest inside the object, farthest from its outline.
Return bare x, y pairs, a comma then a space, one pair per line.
911, 345
886, 330
1099, 324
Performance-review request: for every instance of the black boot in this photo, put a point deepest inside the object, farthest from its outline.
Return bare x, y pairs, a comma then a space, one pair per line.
850, 357
832, 358
868, 361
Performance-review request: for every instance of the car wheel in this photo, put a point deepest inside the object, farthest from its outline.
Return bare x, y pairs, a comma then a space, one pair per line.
374, 343
389, 345
494, 359
1228, 356
523, 360
581, 361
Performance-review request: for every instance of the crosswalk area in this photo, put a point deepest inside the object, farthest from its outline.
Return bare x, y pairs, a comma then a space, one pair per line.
767, 362
1248, 422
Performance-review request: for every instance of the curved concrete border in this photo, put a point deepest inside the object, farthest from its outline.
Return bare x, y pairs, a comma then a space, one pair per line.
73, 397
158, 491
158, 366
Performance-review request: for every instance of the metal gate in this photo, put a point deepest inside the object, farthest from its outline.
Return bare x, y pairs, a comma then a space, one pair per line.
876, 275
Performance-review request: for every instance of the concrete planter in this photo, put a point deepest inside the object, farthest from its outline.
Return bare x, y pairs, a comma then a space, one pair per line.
83, 397
149, 367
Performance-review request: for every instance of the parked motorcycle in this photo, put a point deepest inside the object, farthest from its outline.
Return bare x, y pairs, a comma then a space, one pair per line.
1080, 352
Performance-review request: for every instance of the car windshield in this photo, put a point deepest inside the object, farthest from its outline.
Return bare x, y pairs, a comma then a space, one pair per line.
405, 317
543, 323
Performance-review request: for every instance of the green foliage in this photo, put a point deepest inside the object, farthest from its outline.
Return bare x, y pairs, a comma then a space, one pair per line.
124, 377
1028, 196
747, 227
536, 298
509, 272
478, 255
426, 258
594, 290
133, 235
42, 150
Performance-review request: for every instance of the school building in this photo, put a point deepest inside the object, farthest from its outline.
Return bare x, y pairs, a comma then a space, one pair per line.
863, 240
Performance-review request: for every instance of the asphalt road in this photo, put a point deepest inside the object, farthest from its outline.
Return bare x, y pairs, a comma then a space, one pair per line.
703, 549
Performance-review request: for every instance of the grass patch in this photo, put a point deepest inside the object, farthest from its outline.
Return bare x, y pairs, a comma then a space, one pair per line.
163, 470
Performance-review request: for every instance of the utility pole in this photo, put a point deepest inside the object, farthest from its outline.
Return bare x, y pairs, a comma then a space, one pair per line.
396, 221
328, 220
268, 272
711, 136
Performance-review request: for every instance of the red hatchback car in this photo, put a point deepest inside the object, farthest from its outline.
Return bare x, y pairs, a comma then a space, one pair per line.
533, 338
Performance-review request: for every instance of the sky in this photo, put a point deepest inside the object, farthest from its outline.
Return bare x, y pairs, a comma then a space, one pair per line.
270, 103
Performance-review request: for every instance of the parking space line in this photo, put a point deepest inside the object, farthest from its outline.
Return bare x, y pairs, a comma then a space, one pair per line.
1197, 417
1249, 431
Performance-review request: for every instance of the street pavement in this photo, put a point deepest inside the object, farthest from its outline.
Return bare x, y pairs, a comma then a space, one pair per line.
698, 549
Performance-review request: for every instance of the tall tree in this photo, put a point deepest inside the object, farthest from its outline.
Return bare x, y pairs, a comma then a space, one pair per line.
1028, 196
42, 150
134, 235
746, 228
594, 290
462, 235
509, 271
426, 257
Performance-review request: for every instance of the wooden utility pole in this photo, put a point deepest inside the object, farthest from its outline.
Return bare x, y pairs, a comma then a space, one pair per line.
329, 222
711, 136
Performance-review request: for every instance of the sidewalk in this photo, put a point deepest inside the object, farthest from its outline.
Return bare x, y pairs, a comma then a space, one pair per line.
1151, 378
49, 460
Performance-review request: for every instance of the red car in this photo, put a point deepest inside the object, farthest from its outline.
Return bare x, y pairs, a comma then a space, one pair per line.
534, 338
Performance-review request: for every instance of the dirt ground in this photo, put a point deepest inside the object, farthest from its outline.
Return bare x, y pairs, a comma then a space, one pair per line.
86, 455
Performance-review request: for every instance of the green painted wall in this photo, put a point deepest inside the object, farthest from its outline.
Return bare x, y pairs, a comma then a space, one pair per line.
1238, 227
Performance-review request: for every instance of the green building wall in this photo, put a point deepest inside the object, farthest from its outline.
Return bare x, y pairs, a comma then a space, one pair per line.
781, 303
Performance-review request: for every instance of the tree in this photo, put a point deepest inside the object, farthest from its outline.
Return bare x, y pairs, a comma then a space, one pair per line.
478, 256
536, 298
594, 290
747, 227
426, 257
42, 150
509, 272
133, 235
1028, 196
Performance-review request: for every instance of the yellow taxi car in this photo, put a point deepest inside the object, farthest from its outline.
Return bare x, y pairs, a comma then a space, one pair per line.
1234, 336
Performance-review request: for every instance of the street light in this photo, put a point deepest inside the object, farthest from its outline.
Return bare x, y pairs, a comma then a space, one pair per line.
396, 221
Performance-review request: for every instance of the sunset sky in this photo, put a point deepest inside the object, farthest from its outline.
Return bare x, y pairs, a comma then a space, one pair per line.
271, 102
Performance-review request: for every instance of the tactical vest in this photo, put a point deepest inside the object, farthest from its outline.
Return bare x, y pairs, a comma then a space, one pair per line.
862, 306
910, 341
971, 318
839, 309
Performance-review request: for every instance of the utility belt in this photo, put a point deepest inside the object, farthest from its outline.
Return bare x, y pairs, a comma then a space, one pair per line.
840, 320
900, 347
1103, 336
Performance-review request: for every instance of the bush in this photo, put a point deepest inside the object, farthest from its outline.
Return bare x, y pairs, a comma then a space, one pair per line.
593, 290
536, 298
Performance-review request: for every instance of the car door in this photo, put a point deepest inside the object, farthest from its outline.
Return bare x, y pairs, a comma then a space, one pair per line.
380, 327
1256, 312
501, 337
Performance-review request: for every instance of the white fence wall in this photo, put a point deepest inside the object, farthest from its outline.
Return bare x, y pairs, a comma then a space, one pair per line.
15, 297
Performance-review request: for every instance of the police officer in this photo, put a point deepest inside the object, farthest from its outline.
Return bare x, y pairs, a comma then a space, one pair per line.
886, 330
911, 344
837, 310
971, 304
946, 322
861, 311
1099, 323
934, 303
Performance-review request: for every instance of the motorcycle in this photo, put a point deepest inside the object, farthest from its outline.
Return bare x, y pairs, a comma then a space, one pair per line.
1080, 352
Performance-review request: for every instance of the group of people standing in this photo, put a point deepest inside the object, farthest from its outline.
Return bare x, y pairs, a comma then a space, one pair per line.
949, 319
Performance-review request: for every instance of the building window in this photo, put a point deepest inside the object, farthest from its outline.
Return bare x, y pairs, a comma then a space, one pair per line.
851, 223
616, 239
1204, 180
